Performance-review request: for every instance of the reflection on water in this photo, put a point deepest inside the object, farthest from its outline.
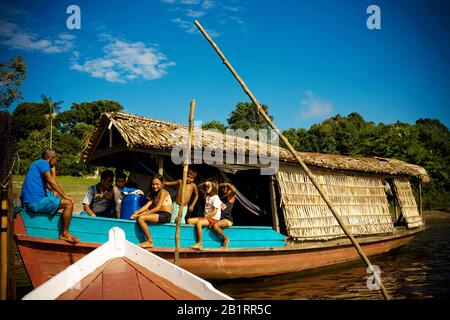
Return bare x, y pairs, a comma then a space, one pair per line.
418, 270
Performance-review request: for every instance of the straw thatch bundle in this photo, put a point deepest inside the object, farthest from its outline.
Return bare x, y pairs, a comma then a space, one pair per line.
360, 200
150, 135
407, 202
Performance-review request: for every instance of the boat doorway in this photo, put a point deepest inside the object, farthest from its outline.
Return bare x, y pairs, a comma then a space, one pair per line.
256, 188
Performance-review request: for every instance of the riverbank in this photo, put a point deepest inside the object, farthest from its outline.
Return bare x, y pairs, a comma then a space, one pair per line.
436, 215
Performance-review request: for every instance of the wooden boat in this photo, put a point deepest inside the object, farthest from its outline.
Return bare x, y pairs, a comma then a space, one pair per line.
301, 233
120, 270
44, 255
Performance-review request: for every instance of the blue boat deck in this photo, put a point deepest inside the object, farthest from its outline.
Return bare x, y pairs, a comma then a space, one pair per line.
95, 230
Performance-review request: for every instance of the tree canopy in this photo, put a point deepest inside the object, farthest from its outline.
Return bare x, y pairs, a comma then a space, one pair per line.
32, 131
426, 143
246, 116
28, 116
86, 112
12, 74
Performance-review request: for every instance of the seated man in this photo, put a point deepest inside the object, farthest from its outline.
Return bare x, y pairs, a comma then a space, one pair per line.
121, 179
36, 199
99, 200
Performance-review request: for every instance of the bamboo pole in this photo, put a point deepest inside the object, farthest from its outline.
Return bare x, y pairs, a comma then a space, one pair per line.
297, 157
4, 244
11, 266
160, 165
187, 157
420, 199
273, 202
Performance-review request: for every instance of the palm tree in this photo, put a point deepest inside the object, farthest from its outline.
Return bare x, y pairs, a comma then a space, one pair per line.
53, 108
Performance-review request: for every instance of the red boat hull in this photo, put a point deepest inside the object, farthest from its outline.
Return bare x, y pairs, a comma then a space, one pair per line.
44, 258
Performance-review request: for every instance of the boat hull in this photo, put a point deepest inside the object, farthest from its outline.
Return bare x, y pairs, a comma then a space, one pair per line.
43, 258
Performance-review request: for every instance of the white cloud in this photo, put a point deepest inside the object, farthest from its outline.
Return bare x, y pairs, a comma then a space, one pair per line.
126, 61
192, 9
12, 36
186, 25
312, 106
189, 27
207, 4
187, 2
191, 2
195, 14
230, 8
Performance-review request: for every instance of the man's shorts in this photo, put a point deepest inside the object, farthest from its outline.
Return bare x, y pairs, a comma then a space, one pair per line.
175, 207
48, 204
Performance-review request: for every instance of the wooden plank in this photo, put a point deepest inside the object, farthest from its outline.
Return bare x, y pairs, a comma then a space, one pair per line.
95, 230
150, 291
11, 285
94, 291
120, 281
165, 285
91, 279
32, 264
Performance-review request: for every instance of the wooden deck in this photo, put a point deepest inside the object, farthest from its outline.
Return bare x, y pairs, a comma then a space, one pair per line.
122, 279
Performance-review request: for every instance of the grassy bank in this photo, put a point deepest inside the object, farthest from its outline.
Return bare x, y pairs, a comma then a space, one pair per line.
75, 186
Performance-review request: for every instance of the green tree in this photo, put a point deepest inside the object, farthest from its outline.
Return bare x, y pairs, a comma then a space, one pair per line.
245, 116
53, 109
214, 124
85, 112
67, 145
28, 116
300, 139
31, 147
82, 130
12, 74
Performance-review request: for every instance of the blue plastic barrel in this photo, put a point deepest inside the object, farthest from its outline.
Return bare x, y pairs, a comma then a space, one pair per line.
131, 203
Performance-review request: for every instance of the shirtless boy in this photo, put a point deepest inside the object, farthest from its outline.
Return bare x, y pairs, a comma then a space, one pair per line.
191, 190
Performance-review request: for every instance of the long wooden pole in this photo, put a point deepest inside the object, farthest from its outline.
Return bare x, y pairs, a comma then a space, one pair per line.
297, 157
51, 123
187, 157
11, 285
420, 199
4, 244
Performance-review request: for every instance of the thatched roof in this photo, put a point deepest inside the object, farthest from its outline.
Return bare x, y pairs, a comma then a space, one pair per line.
146, 134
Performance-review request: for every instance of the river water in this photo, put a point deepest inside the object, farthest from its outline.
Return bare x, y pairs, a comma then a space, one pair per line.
419, 270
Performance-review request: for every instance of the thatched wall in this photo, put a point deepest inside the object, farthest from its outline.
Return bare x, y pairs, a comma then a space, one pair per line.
360, 200
407, 202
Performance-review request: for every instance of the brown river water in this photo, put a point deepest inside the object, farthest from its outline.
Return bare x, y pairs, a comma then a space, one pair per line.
419, 270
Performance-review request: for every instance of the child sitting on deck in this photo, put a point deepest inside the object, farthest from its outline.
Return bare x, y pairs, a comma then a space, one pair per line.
191, 189
212, 219
228, 197
157, 210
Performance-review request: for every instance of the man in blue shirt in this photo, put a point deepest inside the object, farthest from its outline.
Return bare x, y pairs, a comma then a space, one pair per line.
37, 199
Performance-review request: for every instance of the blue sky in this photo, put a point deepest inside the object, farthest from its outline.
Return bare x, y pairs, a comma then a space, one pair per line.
308, 60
